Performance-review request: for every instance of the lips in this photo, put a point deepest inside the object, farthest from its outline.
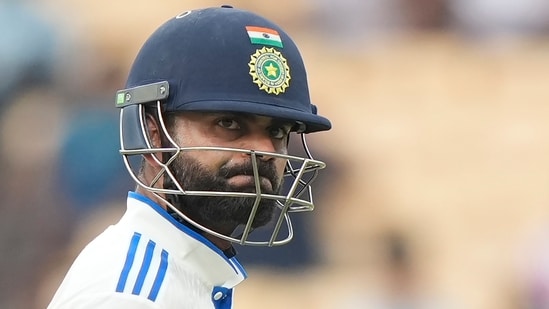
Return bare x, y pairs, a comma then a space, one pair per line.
248, 181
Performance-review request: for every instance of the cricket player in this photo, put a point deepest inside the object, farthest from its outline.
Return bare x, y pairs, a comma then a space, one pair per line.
210, 103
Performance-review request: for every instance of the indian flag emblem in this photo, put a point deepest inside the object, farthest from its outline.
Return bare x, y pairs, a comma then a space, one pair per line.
264, 36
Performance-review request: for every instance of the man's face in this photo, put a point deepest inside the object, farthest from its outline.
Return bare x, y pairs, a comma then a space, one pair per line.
227, 171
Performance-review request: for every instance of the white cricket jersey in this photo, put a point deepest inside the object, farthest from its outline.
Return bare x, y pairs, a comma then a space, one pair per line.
149, 260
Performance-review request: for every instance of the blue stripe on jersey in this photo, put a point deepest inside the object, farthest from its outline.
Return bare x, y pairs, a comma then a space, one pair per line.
238, 267
182, 227
161, 211
159, 275
129, 262
144, 268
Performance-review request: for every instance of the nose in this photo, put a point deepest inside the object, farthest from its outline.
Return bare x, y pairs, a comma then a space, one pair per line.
261, 143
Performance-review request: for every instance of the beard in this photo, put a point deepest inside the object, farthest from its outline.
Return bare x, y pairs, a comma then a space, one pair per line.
222, 214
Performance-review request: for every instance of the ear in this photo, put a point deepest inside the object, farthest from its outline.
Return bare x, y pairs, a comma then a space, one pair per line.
154, 136
153, 131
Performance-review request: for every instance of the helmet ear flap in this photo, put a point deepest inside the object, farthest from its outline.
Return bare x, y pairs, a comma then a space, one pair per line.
133, 135
132, 128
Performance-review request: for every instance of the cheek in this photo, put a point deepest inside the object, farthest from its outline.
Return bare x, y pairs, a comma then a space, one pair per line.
281, 163
282, 146
280, 166
211, 159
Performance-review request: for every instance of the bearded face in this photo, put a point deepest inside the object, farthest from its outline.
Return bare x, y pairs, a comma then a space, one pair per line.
224, 214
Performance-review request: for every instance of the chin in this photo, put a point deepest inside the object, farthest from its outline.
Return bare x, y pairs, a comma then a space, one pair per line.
264, 214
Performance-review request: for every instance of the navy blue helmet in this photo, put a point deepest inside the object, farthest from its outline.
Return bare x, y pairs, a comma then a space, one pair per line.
222, 60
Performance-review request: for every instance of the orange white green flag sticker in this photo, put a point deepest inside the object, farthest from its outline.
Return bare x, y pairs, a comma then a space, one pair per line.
264, 36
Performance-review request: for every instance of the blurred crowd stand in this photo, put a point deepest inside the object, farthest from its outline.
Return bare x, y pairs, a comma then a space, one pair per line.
377, 240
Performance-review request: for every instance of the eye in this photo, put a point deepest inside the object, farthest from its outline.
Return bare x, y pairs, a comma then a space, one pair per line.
229, 123
279, 132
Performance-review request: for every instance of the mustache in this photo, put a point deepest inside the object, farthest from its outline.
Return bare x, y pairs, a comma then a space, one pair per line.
264, 169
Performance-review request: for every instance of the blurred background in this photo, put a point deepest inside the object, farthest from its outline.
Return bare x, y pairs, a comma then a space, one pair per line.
437, 190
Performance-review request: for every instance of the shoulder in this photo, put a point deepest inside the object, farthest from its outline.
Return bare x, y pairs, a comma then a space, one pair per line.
127, 269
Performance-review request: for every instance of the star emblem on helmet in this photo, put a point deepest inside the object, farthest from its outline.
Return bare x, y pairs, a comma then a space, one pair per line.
272, 70
269, 70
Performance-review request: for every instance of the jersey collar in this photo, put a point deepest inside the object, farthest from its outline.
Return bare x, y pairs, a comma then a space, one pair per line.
185, 244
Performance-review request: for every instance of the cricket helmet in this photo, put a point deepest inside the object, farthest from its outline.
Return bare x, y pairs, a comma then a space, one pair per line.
222, 60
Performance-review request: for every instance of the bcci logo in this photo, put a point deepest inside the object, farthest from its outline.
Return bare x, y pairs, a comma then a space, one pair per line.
269, 70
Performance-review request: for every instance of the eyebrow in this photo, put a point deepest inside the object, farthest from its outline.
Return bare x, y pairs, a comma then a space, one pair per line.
247, 116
